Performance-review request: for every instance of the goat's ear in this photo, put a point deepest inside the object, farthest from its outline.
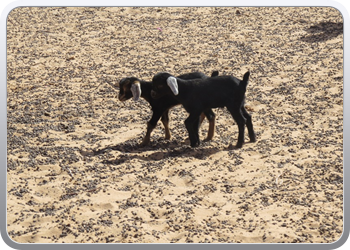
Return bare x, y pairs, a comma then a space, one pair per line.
136, 90
172, 83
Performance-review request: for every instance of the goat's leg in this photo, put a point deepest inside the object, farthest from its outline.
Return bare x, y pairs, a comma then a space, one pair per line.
196, 126
249, 124
165, 121
192, 123
147, 139
201, 119
241, 121
211, 118
151, 124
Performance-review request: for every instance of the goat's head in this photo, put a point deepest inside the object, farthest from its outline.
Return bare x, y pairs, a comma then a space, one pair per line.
129, 87
164, 84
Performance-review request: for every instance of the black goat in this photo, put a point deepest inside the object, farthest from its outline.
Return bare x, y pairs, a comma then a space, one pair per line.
202, 94
132, 87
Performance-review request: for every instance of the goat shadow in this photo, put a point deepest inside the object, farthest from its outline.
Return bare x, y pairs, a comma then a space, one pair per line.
322, 32
131, 150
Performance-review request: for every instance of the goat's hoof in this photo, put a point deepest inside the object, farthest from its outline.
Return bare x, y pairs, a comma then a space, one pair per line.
207, 139
231, 147
194, 145
252, 138
144, 144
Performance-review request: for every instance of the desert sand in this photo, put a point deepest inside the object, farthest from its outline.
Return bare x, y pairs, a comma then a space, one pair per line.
76, 172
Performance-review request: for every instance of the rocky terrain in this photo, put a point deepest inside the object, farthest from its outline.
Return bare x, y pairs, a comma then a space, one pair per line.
76, 172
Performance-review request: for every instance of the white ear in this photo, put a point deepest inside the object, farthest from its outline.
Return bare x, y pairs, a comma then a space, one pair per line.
172, 83
136, 91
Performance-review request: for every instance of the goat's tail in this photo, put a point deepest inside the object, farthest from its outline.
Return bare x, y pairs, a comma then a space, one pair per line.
246, 77
243, 84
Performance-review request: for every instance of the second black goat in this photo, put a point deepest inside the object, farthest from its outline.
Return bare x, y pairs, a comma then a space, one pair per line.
202, 94
132, 87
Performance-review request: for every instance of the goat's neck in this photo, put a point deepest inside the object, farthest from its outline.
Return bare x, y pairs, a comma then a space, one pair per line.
184, 89
146, 88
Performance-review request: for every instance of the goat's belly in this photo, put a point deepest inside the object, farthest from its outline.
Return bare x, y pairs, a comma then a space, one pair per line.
214, 103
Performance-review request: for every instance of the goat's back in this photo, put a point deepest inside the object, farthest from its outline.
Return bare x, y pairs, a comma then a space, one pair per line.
193, 75
214, 92
219, 84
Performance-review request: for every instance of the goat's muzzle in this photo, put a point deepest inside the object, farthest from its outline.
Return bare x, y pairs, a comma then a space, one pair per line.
122, 98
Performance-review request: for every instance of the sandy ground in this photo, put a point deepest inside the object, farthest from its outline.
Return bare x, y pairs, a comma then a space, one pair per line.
286, 187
